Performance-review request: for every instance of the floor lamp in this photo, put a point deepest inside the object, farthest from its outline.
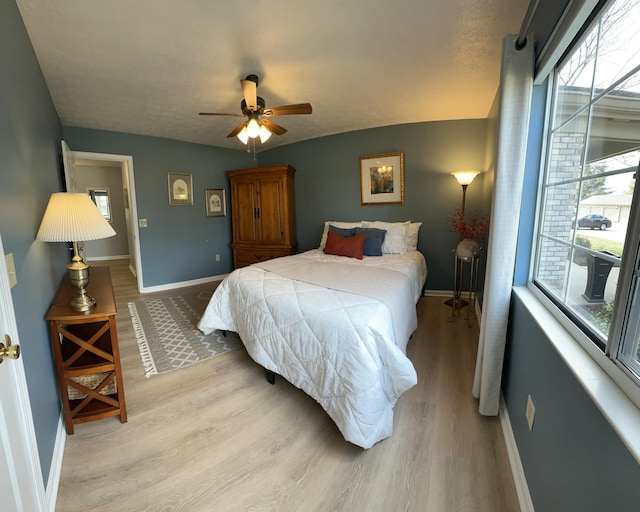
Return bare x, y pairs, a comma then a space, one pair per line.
464, 178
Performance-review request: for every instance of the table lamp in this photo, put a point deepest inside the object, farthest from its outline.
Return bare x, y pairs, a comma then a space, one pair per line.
73, 217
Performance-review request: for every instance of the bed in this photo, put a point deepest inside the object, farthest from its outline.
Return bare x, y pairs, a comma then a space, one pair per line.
335, 326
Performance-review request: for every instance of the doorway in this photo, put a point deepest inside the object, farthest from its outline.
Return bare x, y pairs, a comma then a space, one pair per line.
77, 162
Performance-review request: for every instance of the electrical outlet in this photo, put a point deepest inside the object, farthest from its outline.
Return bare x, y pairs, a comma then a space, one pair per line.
142, 223
217, 257
531, 412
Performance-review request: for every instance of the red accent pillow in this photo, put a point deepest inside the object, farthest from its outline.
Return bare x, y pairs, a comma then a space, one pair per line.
352, 246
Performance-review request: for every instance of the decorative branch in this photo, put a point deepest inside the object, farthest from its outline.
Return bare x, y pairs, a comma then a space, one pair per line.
476, 226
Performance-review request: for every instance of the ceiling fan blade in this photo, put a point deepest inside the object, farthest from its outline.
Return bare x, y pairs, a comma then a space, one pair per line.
273, 127
285, 110
250, 95
219, 114
236, 130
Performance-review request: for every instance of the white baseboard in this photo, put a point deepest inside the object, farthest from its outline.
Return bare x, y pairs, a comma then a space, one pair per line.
437, 293
522, 489
183, 284
107, 258
53, 482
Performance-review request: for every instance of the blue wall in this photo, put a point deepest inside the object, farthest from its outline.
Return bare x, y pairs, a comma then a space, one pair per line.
328, 182
180, 242
327, 188
30, 133
573, 460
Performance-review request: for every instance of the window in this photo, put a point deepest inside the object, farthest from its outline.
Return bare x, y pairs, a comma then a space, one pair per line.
100, 196
587, 258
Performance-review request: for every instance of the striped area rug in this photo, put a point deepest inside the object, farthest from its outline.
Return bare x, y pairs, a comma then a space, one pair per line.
167, 336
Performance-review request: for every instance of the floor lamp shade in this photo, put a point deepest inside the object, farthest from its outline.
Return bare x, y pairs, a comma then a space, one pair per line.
465, 177
73, 217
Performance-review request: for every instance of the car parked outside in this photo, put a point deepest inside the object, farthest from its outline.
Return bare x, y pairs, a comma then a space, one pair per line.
594, 221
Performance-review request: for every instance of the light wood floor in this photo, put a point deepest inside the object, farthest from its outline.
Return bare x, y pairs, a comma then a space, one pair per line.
217, 437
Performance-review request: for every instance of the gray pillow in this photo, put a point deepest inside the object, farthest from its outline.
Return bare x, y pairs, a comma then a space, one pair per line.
343, 232
373, 240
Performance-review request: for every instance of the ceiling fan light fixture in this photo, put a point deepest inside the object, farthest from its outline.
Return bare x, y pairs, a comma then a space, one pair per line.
253, 128
243, 135
253, 109
264, 134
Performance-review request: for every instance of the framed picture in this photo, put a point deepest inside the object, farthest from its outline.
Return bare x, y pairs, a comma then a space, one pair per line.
180, 188
215, 201
382, 179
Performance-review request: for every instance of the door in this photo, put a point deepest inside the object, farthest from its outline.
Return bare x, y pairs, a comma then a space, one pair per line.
21, 483
271, 230
69, 168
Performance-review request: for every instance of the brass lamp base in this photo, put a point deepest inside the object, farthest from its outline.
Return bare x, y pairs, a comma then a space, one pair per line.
79, 277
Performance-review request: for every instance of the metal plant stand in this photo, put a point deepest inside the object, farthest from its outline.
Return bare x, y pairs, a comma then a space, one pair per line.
457, 302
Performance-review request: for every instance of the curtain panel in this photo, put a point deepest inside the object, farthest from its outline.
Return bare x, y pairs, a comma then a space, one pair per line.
514, 104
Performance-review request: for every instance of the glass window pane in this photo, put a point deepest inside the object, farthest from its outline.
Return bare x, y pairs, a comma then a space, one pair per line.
574, 79
615, 118
618, 47
560, 206
552, 268
630, 350
592, 288
593, 232
102, 200
566, 150
631, 357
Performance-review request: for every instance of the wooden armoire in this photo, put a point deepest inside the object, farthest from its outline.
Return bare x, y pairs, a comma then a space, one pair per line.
263, 214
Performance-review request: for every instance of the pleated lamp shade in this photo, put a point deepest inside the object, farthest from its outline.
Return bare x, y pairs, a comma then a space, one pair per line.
72, 217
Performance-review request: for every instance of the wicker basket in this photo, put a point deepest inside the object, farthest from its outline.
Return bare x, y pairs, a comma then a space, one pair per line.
91, 381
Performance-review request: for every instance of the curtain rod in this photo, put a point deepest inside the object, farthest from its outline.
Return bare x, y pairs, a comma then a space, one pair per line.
521, 42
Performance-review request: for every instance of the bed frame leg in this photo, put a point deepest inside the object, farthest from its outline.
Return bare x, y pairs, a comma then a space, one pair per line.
271, 377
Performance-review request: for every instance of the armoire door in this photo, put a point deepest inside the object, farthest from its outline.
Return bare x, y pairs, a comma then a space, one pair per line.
245, 213
271, 230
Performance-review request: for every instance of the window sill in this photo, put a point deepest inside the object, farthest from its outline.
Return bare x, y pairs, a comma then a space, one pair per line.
621, 413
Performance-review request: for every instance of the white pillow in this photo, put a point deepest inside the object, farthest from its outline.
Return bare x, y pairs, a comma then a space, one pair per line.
343, 225
412, 236
395, 241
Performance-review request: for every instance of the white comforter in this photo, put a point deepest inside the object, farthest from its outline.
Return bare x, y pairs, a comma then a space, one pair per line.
344, 349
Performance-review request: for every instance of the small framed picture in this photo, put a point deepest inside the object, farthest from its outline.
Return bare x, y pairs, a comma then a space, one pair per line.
180, 188
382, 179
215, 201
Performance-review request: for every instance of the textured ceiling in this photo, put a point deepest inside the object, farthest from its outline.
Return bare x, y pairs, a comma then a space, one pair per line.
149, 66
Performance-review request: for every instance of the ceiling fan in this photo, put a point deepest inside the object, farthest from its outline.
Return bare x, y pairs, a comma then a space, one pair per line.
254, 108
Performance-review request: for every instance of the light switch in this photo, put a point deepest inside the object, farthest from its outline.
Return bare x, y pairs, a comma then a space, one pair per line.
142, 223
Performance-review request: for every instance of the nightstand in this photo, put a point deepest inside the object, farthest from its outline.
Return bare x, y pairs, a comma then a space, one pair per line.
87, 357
